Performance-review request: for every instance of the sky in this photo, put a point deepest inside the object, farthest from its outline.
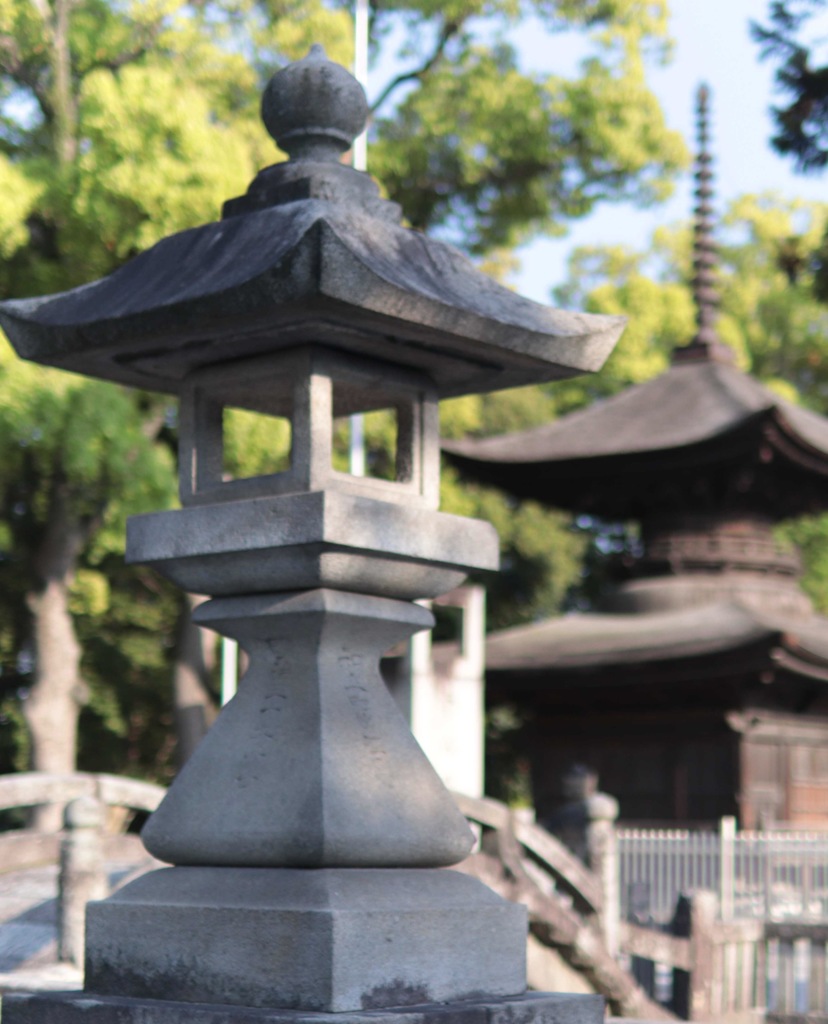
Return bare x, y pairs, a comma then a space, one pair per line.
712, 45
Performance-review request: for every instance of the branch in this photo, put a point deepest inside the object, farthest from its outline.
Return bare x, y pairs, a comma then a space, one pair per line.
152, 425
117, 62
10, 58
150, 34
450, 29
13, 64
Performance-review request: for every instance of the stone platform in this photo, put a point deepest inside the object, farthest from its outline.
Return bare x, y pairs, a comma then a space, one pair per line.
86, 1008
330, 940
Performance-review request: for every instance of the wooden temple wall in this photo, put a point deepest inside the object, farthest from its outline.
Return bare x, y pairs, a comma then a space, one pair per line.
660, 768
690, 768
784, 769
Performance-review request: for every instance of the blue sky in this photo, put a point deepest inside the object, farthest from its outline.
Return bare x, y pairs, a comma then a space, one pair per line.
712, 45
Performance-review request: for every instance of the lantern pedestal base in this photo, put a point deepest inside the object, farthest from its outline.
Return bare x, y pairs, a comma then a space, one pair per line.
87, 1008
327, 940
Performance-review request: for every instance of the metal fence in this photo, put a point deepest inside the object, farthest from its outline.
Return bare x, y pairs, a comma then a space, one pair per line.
771, 876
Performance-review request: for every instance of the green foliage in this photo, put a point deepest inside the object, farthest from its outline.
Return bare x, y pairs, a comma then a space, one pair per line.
492, 153
92, 440
540, 551
255, 445
802, 122
465, 139
810, 536
127, 725
508, 774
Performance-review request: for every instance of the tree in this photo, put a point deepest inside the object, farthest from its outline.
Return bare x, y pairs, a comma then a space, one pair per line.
802, 121
97, 163
100, 165
75, 454
490, 153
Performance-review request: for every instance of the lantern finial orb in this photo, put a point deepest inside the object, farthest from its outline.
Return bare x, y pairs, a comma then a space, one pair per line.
314, 109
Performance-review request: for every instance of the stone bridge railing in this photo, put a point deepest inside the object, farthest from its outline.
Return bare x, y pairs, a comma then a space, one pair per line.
84, 847
24, 847
570, 907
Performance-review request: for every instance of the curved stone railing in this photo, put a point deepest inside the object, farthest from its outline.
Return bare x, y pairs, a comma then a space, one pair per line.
20, 848
569, 874
28, 789
85, 849
524, 863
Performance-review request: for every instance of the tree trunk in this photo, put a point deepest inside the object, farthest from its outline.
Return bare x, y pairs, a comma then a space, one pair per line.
195, 709
63, 100
58, 692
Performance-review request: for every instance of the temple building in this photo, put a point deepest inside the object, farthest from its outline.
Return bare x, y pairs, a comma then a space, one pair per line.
699, 687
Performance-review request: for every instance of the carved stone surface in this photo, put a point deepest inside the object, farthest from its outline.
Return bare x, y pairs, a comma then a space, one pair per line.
311, 255
332, 940
317, 539
311, 764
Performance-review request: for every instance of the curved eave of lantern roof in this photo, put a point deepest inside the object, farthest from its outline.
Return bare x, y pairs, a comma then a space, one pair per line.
308, 270
584, 642
679, 421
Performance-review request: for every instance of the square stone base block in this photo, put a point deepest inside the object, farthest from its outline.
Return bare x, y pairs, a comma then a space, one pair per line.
87, 1008
327, 939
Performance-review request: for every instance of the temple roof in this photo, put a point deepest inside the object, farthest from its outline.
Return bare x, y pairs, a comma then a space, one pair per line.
702, 437
613, 457
575, 645
706, 457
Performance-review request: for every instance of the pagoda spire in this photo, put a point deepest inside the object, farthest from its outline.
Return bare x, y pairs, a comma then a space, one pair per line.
706, 344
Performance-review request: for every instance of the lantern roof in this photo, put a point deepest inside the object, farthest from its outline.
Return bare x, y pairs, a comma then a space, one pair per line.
310, 253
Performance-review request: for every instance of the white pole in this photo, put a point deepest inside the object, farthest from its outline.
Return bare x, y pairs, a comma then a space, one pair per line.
229, 669
360, 163
727, 870
360, 155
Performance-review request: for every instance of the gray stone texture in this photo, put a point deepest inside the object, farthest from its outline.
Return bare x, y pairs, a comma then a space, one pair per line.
311, 764
310, 271
318, 539
313, 108
82, 873
532, 1008
332, 940
309, 386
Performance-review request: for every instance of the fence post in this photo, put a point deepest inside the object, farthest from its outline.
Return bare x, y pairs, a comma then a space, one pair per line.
602, 858
82, 874
695, 919
727, 866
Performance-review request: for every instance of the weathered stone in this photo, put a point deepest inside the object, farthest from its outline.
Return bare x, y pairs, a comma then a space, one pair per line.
309, 386
319, 539
82, 873
311, 764
331, 940
82, 1008
313, 108
310, 256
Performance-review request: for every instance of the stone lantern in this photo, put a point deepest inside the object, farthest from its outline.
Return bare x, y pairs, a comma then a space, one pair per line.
308, 831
